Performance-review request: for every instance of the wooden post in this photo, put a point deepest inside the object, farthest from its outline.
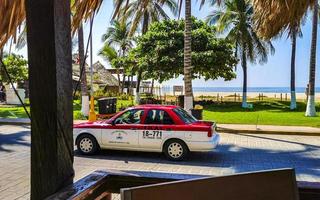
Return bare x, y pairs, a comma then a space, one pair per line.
286, 96
218, 98
50, 76
280, 96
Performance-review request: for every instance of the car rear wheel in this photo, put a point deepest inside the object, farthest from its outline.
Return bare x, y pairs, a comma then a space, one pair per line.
176, 150
87, 144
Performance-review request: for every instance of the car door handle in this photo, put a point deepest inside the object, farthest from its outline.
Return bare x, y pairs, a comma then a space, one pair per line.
133, 128
168, 129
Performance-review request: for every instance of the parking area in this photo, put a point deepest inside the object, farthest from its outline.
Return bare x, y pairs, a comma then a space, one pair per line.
236, 153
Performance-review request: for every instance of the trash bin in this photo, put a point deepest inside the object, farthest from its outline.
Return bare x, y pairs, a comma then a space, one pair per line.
197, 114
107, 105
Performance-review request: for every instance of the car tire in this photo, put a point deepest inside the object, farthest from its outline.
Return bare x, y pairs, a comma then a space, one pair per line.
87, 144
175, 150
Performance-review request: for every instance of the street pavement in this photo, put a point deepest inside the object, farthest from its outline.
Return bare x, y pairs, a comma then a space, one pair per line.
238, 152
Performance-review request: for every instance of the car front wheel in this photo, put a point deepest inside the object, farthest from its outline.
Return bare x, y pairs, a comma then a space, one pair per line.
176, 150
87, 144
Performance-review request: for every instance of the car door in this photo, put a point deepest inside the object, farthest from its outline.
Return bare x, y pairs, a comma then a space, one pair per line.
158, 125
123, 133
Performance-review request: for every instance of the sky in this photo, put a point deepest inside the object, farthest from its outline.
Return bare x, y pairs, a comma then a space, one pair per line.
275, 73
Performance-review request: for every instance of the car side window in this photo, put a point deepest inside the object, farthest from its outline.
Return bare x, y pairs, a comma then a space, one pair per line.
133, 116
158, 117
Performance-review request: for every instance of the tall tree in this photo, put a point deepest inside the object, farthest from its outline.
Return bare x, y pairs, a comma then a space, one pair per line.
109, 54
293, 101
311, 107
118, 36
235, 18
293, 33
274, 16
188, 96
163, 47
142, 13
82, 65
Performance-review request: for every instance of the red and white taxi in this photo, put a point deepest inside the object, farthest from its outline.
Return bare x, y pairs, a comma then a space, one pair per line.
153, 128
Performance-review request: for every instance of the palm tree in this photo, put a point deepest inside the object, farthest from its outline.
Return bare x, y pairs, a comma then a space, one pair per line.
84, 87
188, 97
274, 16
235, 18
293, 33
142, 13
293, 101
108, 53
118, 36
311, 107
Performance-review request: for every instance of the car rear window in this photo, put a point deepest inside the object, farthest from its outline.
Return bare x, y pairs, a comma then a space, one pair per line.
184, 115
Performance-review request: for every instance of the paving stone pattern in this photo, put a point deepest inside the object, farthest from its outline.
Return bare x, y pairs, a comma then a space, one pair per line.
236, 153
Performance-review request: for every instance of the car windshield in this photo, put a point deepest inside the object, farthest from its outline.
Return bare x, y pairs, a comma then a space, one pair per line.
184, 115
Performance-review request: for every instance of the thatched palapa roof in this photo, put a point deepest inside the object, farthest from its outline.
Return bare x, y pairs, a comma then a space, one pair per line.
101, 76
13, 14
275, 16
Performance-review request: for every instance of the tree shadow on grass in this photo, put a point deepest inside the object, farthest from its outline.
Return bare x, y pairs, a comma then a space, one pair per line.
13, 139
230, 158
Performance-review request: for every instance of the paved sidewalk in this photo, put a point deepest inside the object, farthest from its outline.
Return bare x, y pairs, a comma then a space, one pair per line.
235, 154
229, 128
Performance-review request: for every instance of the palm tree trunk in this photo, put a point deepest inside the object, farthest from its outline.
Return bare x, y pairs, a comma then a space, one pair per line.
311, 108
123, 82
188, 98
245, 81
152, 86
123, 73
293, 104
137, 97
1, 69
84, 87
145, 25
130, 79
119, 80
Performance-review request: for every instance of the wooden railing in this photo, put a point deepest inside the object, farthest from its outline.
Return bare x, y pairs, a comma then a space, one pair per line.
101, 184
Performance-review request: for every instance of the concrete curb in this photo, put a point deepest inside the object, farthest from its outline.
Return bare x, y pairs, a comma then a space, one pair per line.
251, 131
10, 121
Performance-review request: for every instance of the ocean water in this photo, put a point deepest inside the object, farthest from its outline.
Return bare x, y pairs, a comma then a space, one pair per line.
250, 89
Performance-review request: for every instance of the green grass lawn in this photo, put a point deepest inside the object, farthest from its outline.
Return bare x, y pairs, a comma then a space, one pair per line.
263, 113
18, 111
267, 113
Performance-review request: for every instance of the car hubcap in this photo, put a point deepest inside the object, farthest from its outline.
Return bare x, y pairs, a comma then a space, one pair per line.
86, 145
175, 150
